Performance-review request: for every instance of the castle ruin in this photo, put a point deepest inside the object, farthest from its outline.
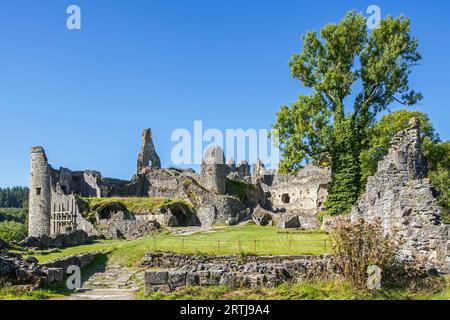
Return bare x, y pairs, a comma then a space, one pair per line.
402, 198
398, 194
55, 206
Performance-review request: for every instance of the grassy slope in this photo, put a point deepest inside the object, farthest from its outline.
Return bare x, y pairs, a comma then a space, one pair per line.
135, 205
226, 239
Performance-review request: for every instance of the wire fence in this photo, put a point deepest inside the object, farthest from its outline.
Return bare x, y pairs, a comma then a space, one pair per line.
254, 246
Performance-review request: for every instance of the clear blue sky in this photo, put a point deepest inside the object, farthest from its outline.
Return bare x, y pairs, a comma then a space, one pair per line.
86, 95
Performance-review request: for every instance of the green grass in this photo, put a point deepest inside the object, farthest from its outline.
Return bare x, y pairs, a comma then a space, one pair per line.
134, 205
335, 289
221, 240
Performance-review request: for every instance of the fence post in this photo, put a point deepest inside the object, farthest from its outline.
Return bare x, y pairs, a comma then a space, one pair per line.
325, 244
154, 244
290, 245
255, 246
218, 246
182, 244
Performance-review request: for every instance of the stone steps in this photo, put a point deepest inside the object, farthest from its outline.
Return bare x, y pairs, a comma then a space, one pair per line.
115, 277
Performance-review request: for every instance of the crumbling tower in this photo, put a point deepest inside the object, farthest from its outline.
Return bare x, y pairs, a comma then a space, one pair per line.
40, 194
258, 169
148, 153
214, 170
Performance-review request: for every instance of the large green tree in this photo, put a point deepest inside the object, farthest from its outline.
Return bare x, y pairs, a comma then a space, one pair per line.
353, 75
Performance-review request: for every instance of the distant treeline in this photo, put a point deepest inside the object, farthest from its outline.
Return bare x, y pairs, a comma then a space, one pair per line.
16, 197
13, 214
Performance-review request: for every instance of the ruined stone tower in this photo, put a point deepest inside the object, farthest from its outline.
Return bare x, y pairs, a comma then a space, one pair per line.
258, 169
243, 168
402, 199
214, 170
40, 194
148, 153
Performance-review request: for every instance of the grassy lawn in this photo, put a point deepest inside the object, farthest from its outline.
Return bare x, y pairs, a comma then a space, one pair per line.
221, 240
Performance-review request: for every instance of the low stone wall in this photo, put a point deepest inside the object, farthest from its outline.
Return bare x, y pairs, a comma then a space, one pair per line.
16, 270
81, 260
70, 239
179, 270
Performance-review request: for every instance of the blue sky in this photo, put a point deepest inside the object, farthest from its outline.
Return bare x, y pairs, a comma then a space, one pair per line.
85, 95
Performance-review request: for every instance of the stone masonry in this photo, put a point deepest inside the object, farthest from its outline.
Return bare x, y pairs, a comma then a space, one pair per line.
171, 271
402, 198
221, 193
40, 194
214, 170
148, 156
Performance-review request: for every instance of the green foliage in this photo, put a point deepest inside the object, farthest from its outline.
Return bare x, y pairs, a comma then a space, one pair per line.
238, 188
13, 231
14, 214
356, 246
16, 197
344, 186
328, 126
438, 155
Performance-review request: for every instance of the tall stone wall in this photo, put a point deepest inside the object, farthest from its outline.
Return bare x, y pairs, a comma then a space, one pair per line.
299, 195
40, 194
214, 170
400, 196
148, 156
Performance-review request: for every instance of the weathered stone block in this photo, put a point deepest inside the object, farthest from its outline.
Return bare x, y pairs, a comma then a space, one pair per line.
55, 275
154, 277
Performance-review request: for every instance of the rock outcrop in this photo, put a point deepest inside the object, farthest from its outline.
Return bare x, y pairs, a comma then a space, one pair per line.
403, 199
261, 216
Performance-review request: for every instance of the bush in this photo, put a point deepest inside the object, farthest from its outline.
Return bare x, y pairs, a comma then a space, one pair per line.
356, 246
12, 231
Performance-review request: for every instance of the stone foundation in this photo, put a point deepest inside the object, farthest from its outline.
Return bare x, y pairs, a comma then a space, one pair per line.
179, 270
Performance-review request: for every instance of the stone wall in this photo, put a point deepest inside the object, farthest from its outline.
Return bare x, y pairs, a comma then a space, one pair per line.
178, 270
16, 270
402, 198
69, 239
147, 156
302, 194
214, 170
81, 260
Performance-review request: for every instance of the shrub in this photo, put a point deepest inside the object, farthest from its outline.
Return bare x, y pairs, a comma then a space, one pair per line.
12, 231
356, 246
